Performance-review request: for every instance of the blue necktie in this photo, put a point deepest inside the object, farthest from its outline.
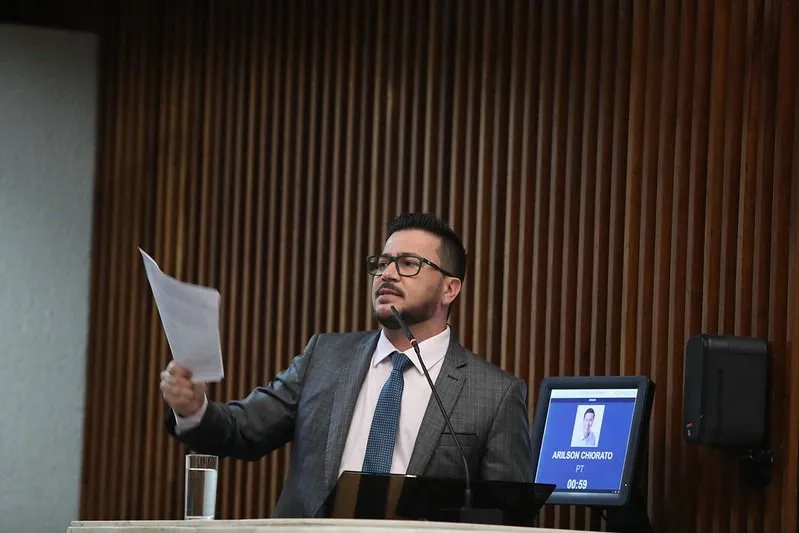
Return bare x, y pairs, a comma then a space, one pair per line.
383, 435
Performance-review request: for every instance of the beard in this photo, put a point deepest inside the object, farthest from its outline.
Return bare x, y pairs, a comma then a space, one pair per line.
411, 314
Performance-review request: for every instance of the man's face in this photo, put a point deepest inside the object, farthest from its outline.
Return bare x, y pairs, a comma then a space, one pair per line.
417, 297
588, 422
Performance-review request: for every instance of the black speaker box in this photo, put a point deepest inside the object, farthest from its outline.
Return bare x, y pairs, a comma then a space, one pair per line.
725, 391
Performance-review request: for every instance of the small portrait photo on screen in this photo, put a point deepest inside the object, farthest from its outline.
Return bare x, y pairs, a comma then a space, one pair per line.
587, 426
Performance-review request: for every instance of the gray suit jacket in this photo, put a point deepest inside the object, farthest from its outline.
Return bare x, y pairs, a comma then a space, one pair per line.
311, 404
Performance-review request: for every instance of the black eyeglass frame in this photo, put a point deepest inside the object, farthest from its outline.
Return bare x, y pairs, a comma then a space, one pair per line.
395, 258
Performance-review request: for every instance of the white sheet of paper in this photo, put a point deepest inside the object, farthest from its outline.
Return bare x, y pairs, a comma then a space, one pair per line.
190, 317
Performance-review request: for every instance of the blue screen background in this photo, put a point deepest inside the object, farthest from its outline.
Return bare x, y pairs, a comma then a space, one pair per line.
601, 474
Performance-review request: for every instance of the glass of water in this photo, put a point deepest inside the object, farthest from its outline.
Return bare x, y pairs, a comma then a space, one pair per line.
200, 492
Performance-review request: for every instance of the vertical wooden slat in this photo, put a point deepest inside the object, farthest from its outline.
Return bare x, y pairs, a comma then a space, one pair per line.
284, 247
479, 195
348, 229
492, 180
158, 197
526, 191
276, 224
541, 356
402, 48
785, 179
696, 243
731, 286
497, 189
275, 13
634, 184
108, 422
261, 367
298, 188
790, 489
416, 115
136, 379
555, 235
333, 319
229, 255
603, 159
127, 261
457, 133
664, 211
572, 148
240, 281
618, 172
430, 139
745, 321
310, 176
165, 247
676, 512
387, 111
651, 101
364, 70
464, 171
123, 188
254, 207
513, 239
180, 131
97, 371
376, 167
586, 178
151, 363
444, 109
623, 174
321, 319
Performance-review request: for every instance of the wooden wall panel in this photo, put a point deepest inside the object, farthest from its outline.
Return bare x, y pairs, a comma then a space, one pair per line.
624, 174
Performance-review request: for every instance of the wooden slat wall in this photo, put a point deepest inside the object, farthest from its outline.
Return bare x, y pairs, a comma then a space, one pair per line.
624, 174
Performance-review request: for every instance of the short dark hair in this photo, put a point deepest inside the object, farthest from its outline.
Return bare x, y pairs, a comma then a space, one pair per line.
452, 252
589, 411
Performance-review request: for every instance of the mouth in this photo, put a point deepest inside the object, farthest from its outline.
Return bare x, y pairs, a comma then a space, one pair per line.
384, 292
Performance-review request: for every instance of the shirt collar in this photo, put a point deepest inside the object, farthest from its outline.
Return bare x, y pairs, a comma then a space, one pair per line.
433, 350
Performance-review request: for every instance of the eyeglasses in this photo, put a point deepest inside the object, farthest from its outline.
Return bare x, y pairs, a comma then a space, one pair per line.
408, 265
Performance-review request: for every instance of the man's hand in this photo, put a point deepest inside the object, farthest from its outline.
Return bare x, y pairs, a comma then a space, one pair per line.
185, 397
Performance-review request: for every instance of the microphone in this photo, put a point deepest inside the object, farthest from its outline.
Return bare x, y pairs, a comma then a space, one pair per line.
467, 495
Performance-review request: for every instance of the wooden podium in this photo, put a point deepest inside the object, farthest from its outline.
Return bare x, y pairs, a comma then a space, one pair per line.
295, 525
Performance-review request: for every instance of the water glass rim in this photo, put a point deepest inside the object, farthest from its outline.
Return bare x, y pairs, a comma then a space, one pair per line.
202, 460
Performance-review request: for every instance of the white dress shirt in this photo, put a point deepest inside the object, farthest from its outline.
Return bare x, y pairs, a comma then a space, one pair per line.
588, 440
415, 396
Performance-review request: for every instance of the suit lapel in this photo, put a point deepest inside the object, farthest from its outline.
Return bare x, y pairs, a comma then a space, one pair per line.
348, 384
448, 384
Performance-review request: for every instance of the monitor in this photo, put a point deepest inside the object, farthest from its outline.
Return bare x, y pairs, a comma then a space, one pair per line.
587, 434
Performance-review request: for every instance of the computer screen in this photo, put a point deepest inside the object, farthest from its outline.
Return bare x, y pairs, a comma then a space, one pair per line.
586, 435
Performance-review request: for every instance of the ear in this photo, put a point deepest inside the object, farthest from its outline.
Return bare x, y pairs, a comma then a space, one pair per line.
452, 288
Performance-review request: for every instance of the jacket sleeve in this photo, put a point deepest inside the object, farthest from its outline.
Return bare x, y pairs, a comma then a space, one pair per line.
254, 426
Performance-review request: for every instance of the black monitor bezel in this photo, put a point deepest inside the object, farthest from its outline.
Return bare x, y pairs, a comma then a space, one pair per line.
638, 433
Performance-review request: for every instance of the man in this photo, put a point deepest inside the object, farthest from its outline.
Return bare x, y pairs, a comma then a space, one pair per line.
338, 402
588, 437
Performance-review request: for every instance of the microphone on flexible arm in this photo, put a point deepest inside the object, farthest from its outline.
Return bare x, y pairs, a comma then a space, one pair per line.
467, 495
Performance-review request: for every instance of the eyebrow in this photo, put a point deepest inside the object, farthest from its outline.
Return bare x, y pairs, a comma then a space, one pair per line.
397, 254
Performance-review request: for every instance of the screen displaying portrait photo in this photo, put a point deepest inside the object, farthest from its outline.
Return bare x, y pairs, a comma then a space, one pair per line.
587, 426
585, 438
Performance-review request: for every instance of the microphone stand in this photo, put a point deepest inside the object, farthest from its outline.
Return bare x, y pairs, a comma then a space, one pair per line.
467, 513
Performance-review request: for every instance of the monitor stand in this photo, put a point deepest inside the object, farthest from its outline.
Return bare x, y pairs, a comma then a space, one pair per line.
630, 518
